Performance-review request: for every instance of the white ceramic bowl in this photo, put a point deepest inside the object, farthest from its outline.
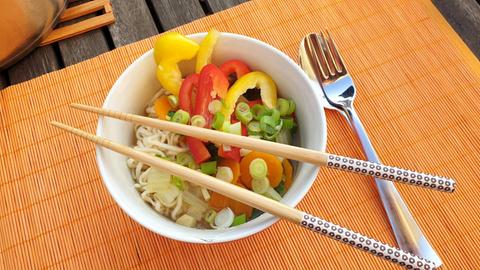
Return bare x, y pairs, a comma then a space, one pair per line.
137, 85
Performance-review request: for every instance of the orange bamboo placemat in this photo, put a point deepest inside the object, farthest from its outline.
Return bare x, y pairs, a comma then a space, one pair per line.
418, 96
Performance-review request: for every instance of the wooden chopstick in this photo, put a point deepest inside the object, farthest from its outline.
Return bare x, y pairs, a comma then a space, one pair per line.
265, 204
348, 164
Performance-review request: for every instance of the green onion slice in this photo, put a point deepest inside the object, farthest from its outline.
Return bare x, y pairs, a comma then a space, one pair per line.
238, 220
283, 106
198, 121
258, 168
259, 111
186, 159
243, 113
275, 115
268, 124
288, 123
291, 107
178, 182
215, 106
225, 174
253, 128
260, 185
218, 120
209, 168
181, 117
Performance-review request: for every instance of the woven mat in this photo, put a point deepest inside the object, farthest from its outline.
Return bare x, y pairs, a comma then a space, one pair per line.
418, 96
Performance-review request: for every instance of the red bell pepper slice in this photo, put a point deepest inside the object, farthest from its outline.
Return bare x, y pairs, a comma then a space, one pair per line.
186, 92
234, 66
233, 153
198, 149
203, 98
244, 130
220, 81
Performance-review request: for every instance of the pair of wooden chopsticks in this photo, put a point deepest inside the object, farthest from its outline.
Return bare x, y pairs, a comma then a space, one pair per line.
288, 151
245, 196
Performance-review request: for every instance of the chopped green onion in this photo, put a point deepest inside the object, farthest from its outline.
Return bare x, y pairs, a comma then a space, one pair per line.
210, 216
209, 168
238, 220
254, 128
236, 128
218, 120
178, 182
283, 106
198, 121
224, 218
243, 113
284, 136
258, 168
159, 156
258, 111
275, 115
225, 174
272, 194
281, 188
186, 159
291, 107
273, 136
267, 125
173, 101
215, 106
288, 123
181, 117
260, 185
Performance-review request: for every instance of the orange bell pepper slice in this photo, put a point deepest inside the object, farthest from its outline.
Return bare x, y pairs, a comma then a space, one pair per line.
162, 107
275, 169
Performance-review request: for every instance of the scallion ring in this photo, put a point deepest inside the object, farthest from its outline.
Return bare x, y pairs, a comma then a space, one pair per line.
243, 113
181, 117
198, 121
218, 120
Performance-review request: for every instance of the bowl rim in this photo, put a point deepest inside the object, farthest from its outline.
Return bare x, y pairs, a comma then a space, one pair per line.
225, 237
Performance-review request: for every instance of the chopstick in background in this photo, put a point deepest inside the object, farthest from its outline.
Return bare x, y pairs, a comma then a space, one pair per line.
348, 164
265, 204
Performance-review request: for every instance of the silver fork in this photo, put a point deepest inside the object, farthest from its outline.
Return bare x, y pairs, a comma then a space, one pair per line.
321, 60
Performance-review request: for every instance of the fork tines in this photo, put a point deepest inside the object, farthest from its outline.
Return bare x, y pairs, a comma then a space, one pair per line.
325, 60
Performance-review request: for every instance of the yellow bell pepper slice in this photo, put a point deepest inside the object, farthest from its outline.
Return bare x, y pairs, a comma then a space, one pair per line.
169, 76
204, 56
174, 47
254, 79
169, 49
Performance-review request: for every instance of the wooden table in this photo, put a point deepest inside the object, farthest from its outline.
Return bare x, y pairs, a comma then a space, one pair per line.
138, 19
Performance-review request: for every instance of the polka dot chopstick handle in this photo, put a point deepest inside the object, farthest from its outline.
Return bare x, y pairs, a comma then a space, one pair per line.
365, 243
389, 173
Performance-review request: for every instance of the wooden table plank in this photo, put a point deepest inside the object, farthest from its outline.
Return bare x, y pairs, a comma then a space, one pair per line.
84, 46
464, 16
219, 5
172, 13
133, 22
42, 60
